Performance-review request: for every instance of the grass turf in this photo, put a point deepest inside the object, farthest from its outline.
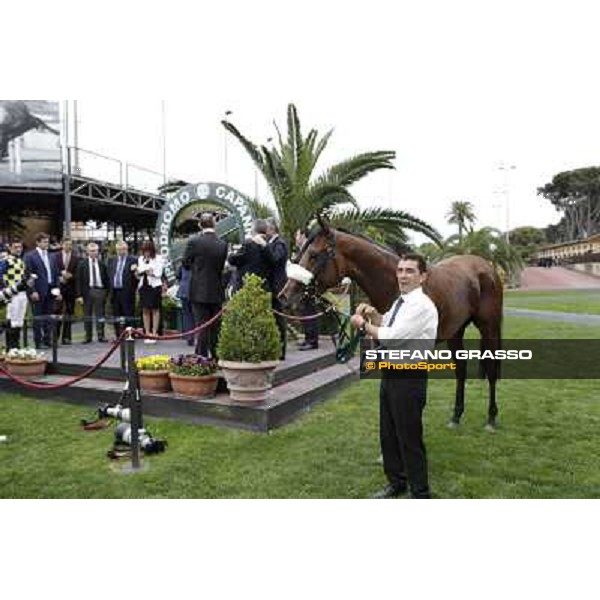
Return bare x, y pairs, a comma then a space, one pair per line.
573, 301
546, 446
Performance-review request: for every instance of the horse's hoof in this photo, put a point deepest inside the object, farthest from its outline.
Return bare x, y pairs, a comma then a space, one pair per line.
491, 428
452, 424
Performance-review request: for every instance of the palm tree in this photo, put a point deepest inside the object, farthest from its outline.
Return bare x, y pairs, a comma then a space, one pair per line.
463, 215
489, 243
299, 196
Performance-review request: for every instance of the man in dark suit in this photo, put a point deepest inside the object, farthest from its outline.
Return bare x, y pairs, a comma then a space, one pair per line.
66, 262
308, 308
205, 256
276, 252
123, 285
251, 258
45, 291
92, 286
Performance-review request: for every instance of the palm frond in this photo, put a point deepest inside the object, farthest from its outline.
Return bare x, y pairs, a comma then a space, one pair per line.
356, 168
261, 209
250, 148
391, 221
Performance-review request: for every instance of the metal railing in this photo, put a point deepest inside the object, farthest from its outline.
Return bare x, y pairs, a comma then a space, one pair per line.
99, 167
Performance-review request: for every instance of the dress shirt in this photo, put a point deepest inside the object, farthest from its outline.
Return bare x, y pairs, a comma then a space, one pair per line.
119, 272
95, 282
46, 261
417, 319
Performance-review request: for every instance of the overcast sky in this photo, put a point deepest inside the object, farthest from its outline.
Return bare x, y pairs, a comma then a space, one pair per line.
454, 88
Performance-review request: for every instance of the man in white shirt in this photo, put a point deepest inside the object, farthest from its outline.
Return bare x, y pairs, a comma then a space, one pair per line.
413, 316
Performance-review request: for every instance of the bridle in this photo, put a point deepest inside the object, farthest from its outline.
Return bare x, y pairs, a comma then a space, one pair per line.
322, 259
345, 341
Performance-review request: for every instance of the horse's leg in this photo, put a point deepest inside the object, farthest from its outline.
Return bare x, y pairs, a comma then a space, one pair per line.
454, 344
490, 340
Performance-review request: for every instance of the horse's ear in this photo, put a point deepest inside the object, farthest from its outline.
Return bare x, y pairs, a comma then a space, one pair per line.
323, 223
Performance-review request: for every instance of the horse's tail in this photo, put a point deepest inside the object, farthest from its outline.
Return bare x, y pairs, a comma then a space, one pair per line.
491, 312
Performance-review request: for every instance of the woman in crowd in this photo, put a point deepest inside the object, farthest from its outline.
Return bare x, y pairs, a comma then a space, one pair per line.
150, 271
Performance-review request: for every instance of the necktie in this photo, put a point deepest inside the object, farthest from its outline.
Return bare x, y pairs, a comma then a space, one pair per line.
47, 265
94, 278
119, 275
399, 303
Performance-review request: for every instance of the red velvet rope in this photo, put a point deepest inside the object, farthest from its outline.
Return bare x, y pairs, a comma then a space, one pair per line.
67, 382
138, 333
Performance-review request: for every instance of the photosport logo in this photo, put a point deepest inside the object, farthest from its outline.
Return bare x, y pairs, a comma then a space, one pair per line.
514, 359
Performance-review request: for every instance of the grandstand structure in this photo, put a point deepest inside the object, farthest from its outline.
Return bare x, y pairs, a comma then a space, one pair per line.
95, 197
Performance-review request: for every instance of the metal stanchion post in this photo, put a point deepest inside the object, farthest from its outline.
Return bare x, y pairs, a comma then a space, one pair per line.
135, 401
122, 349
54, 325
25, 334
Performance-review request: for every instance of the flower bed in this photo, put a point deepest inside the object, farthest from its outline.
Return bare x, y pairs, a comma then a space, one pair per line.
153, 372
193, 375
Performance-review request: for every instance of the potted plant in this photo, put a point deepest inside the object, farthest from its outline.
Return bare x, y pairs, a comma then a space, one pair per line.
153, 372
249, 344
26, 363
193, 375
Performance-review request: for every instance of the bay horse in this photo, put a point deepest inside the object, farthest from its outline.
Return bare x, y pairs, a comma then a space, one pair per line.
465, 289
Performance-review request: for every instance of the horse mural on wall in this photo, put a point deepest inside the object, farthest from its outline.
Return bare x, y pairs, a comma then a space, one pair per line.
16, 120
465, 289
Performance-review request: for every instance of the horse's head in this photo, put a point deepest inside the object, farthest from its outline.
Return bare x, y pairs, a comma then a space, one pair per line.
317, 269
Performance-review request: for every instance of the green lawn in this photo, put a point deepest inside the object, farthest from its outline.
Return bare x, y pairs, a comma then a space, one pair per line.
547, 446
574, 301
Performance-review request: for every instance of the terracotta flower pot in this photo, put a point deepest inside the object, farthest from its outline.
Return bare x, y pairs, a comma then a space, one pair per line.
249, 382
26, 369
155, 381
195, 387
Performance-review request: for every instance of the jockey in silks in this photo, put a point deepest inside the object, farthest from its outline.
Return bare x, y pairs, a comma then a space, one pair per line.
12, 282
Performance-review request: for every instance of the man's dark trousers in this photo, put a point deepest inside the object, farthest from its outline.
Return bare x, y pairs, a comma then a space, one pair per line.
311, 327
402, 401
41, 324
94, 305
206, 344
64, 326
281, 325
123, 305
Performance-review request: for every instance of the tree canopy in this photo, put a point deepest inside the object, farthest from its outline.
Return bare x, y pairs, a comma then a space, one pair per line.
576, 194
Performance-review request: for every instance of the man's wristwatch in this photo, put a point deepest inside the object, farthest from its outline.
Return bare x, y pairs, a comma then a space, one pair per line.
363, 328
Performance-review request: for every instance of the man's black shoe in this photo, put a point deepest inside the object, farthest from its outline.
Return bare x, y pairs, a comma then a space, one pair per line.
43, 347
102, 341
390, 491
422, 495
86, 342
66, 342
308, 346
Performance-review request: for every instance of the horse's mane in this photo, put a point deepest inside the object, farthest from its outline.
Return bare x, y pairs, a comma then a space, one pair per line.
316, 232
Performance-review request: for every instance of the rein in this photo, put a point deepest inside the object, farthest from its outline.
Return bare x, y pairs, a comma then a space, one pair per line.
347, 339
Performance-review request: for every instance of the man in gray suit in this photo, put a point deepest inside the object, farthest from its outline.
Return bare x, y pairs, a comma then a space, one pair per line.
205, 256
92, 286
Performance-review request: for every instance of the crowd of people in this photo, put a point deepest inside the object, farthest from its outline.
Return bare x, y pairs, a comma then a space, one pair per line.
64, 278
